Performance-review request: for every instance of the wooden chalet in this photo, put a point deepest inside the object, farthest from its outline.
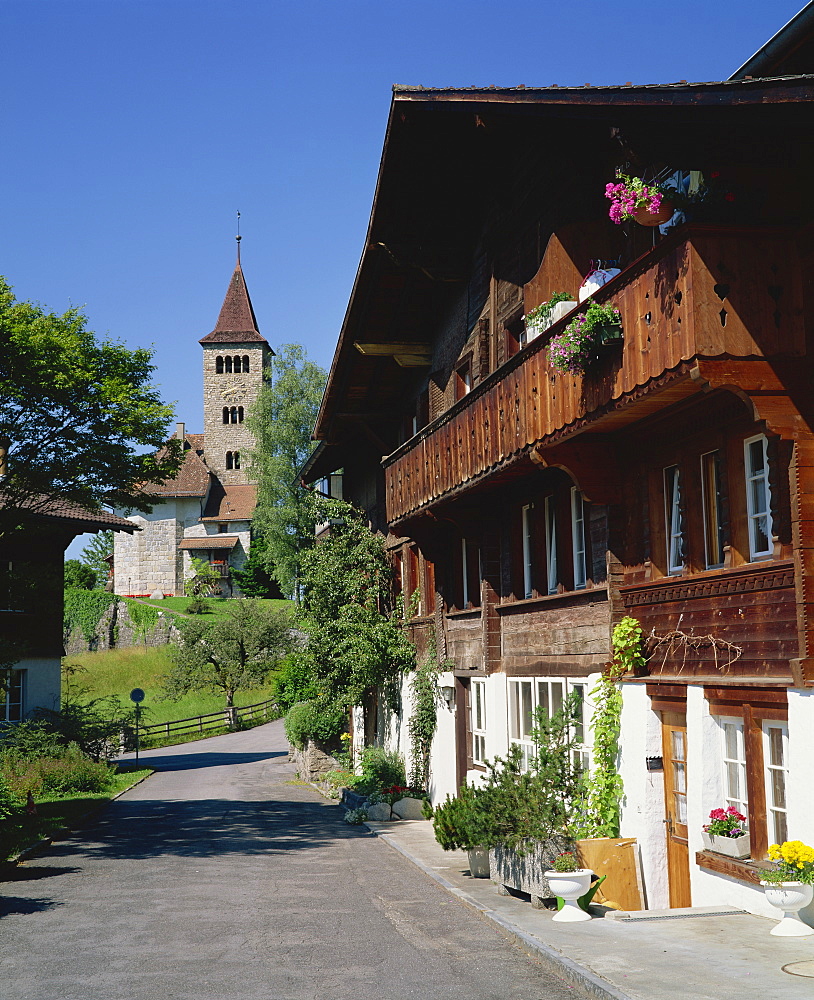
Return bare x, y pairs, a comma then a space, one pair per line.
673, 482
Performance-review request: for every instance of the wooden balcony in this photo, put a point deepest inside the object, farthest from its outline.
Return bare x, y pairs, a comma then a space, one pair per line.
703, 293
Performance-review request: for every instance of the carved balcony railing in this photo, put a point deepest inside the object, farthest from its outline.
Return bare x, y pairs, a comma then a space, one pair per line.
703, 293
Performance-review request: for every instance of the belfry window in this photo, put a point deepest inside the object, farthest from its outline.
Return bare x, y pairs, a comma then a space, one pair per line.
229, 460
226, 414
228, 363
245, 362
219, 364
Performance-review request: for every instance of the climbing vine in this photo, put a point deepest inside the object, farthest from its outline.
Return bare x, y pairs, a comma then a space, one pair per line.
143, 618
627, 642
84, 610
424, 718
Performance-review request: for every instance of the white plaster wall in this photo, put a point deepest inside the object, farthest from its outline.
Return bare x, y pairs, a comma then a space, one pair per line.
443, 771
642, 813
42, 685
801, 756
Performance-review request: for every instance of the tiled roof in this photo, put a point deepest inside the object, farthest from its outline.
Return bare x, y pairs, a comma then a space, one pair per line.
193, 476
203, 542
230, 503
65, 510
236, 323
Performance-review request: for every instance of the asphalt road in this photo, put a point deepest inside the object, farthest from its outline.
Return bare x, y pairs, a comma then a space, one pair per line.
220, 878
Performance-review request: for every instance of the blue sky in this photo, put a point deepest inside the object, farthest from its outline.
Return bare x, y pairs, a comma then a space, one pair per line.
133, 131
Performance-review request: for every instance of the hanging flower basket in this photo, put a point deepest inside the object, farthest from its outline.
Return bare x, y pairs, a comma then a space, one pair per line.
647, 204
647, 217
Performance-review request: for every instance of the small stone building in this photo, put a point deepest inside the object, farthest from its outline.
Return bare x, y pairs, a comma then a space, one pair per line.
206, 511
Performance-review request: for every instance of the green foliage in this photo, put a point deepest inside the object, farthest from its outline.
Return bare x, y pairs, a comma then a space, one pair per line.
627, 642
84, 610
68, 772
293, 682
78, 575
254, 579
566, 862
95, 553
79, 415
382, 768
234, 653
423, 720
313, 720
602, 791
204, 581
199, 606
539, 316
9, 802
143, 618
282, 420
515, 807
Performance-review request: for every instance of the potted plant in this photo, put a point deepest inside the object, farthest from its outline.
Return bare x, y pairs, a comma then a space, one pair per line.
578, 347
647, 204
790, 885
568, 881
466, 823
726, 833
547, 313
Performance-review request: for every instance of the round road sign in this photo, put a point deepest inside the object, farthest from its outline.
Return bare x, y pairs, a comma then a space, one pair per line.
137, 695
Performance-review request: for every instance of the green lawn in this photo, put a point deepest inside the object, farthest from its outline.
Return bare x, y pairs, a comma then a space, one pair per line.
219, 605
54, 814
117, 671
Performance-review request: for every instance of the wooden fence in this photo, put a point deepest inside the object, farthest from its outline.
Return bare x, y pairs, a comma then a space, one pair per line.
226, 718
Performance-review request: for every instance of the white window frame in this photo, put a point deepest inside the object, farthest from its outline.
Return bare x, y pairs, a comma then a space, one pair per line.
11, 707
776, 773
552, 571
478, 720
710, 505
758, 480
578, 539
546, 692
734, 766
528, 583
672, 519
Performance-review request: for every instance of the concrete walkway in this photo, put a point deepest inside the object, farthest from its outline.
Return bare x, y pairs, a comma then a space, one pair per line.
220, 879
723, 956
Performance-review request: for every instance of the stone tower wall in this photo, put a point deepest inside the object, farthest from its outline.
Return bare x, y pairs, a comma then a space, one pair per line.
227, 390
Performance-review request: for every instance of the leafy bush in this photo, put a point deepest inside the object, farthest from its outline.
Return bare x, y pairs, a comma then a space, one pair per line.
84, 610
382, 768
70, 772
199, 606
314, 720
293, 682
31, 738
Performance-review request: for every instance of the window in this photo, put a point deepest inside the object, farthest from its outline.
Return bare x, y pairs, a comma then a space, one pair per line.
463, 380
578, 539
528, 587
734, 760
245, 362
238, 364
229, 463
11, 700
227, 361
776, 756
237, 459
219, 365
470, 574
478, 695
552, 570
226, 414
240, 414
672, 509
711, 504
413, 596
545, 694
223, 528
758, 505
232, 459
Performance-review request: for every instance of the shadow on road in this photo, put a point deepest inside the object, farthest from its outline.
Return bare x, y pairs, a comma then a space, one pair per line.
192, 761
17, 904
206, 828
22, 873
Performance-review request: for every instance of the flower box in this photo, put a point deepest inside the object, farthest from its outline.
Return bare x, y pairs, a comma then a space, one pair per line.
732, 847
610, 334
558, 310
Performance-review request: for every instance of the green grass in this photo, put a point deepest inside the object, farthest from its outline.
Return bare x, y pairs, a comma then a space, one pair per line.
57, 813
219, 605
117, 671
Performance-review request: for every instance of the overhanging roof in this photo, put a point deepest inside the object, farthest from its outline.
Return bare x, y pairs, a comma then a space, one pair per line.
205, 542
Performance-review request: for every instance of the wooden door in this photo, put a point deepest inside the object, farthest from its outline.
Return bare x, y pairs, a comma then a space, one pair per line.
674, 743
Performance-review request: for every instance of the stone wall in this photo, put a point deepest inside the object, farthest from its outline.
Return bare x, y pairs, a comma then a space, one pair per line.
312, 762
115, 630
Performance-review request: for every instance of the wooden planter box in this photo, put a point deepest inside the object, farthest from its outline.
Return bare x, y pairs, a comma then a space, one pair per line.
525, 872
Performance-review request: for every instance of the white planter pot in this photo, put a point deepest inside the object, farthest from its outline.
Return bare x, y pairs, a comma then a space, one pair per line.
570, 886
557, 312
479, 862
732, 847
790, 897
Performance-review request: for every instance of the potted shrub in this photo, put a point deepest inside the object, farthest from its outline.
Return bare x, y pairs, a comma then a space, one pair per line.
726, 833
647, 204
579, 345
466, 823
790, 885
569, 882
547, 313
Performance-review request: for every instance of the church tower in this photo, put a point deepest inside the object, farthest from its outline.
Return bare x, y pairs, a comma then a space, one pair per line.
235, 360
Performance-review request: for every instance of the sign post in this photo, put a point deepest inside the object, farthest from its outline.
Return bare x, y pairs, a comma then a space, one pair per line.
137, 697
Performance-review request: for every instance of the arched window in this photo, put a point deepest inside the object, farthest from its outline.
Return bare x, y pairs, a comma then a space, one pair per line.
234, 414
219, 364
245, 362
229, 460
228, 361
238, 365
226, 414
237, 459
240, 414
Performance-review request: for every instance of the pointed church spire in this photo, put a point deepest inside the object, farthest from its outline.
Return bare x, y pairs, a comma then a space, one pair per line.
237, 323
